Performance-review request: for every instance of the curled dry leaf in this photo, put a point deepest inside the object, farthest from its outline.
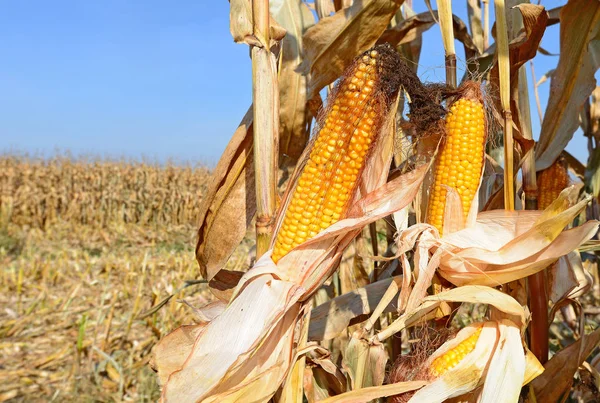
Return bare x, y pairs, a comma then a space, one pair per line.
573, 80
170, 353
364, 363
559, 370
413, 27
328, 320
469, 293
294, 117
369, 394
525, 46
322, 378
231, 192
242, 28
568, 279
335, 41
257, 351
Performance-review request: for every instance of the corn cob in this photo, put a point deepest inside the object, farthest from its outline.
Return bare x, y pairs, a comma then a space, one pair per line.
453, 357
330, 176
461, 159
551, 181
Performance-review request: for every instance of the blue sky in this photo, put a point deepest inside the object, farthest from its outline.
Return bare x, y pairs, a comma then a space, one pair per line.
146, 78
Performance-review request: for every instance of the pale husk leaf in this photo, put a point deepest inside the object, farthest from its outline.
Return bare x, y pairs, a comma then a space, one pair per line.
506, 372
468, 374
469, 293
323, 378
364, 363
374, 392
490, 274
504, 246
561, 278
170, 353
263, 303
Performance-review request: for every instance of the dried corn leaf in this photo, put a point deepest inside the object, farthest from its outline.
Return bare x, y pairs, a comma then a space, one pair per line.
242, 28
506, 372
573, 81
294, 118
231, 193
474, 294
365, 395
561, 279
525, 46
332, 44
474, 13
328, 320
413, 27
246, 356
322, 379
558, 375
364, 363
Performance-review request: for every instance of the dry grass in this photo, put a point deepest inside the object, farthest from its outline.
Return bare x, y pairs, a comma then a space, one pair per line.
72, 297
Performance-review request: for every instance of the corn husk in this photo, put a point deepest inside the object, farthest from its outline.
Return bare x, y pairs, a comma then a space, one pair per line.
254, 359
505, 246
498, 363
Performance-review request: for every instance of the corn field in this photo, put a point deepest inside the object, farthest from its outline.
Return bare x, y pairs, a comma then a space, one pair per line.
38, 193
367, 234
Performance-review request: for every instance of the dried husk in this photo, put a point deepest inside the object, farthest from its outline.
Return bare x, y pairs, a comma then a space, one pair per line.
469, 293
505, 246
495, 370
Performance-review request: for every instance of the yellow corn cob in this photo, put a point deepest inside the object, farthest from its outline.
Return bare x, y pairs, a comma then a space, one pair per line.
453, 357
551, 181
461, 159
330, 176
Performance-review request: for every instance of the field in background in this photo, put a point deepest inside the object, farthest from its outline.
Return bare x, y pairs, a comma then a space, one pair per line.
86, 248
39, 193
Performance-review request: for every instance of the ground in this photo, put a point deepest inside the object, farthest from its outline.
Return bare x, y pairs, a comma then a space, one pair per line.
73, 298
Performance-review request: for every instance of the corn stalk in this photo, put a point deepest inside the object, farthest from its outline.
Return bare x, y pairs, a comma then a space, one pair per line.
538, 293
504, 72
266, 125
445, 15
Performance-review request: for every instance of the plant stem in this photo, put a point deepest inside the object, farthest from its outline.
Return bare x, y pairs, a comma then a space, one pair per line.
447, 28
538, 293
486, 23
504, 76
266, 126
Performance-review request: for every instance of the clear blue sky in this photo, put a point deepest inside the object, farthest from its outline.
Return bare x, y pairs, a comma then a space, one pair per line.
145, 78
